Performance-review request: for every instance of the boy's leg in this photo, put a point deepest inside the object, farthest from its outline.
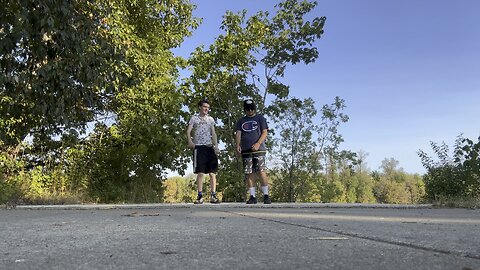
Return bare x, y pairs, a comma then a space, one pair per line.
260, 169
264, 182
199, 164
248, 170
200, 177
251, 188
213, 187
263, 178
213, 182
199, 199
211, 168
264, 187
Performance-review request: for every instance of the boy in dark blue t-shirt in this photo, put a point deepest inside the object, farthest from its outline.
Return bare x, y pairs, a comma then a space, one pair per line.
250, 136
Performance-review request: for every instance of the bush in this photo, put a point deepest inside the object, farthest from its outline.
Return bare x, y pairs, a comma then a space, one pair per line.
9, 167
456, 177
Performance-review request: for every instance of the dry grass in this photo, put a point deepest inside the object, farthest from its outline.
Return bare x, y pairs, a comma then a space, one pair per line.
55, 199
471, 203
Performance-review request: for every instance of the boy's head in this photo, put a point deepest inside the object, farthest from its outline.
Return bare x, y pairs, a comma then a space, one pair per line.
203, 107
203, 101
249, 105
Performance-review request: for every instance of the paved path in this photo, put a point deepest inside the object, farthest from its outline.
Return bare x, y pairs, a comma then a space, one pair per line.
239, 236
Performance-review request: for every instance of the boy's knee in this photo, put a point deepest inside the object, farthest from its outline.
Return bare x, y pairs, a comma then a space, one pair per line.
248, 165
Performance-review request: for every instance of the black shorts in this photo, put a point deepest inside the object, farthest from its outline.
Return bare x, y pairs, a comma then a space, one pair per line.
204, 159
254, 162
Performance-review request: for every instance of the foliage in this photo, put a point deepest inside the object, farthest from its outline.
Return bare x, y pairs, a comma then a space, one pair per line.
10, 167
364, 190
56, 68
393, 185
468, 156
109, 170
303, 150
334, 190
39, 184
180, 189
294, 144
66, 64
457, 202
454, 177
92, 107
247, 60
230, 178
149, 115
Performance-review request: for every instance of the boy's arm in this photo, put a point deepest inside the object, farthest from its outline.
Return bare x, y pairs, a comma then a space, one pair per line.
238, 137
215, 140
189, 136
260, 140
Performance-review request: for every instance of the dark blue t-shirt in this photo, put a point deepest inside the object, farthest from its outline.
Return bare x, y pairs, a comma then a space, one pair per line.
251, 128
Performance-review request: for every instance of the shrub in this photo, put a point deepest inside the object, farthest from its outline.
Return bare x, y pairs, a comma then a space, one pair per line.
452, 177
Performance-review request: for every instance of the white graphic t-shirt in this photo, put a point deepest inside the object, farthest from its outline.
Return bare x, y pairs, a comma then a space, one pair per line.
202, 129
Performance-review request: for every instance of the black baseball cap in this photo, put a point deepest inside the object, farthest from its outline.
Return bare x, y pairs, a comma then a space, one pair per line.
249, 105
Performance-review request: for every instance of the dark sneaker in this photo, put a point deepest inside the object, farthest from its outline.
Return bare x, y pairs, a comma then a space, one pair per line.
214, 199
252, 200
199, 200
266, 199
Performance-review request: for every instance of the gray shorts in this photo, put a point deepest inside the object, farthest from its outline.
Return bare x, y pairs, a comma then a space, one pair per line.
254, 162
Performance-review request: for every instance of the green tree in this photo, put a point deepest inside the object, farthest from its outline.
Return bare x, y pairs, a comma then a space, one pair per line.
56, 68
365, 188
294, 145
443, 177
148, 112
300, 147
66, 64
415, 188
467, 155
333, 190
328, 140
180, 189
248, 60
452, 177
364, 191
391, 171
393, 185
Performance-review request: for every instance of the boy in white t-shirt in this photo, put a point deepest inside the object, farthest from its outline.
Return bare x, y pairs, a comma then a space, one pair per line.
205, 149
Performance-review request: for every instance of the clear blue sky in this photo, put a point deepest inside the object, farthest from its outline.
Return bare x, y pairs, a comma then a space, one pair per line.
408, 70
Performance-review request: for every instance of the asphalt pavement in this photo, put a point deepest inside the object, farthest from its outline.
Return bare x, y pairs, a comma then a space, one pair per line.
239, 236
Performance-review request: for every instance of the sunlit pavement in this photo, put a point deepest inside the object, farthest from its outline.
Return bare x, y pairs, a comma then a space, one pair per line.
239, 236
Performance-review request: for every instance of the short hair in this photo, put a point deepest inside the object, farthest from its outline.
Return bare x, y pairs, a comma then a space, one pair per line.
201, 102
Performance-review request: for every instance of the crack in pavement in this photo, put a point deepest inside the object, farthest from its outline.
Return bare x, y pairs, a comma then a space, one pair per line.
360, 236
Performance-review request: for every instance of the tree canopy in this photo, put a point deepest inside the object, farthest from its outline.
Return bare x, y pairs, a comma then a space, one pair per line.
94, 104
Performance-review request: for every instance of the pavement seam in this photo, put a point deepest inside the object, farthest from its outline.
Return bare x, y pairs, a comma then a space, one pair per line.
354, 235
